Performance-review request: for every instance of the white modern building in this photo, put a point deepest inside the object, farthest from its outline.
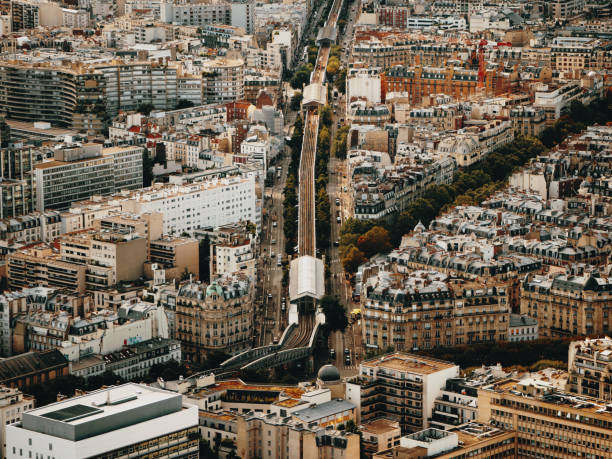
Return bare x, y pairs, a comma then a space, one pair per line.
207, 204
128, 420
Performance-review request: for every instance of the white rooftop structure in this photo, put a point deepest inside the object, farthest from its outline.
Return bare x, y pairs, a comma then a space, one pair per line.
306, 278
100, 422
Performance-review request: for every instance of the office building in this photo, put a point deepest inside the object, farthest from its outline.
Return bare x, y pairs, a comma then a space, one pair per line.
549, 423
400, 387
81, 172
473, 440
24, 15
130, 419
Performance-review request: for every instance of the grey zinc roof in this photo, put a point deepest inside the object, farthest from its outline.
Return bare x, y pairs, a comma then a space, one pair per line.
323, 410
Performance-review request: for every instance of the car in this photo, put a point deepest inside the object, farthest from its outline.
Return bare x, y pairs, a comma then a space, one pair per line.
347, 351
283, 307
274, 224
347, 361
336, 243
269, 296
337, 201
345, 189
272, 254
338, 220
273, 241
332, 353
278, 262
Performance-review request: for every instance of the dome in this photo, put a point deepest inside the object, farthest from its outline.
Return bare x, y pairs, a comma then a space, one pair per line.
328, 373
214, 288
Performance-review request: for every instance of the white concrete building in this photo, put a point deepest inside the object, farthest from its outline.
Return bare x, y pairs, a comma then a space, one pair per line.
255, 148
117, 421
12, 406
363, 84
522, 328
208, 204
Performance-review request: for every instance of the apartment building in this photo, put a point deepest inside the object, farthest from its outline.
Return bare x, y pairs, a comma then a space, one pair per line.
120, 420
148, 225
80, 172
474, 440
13, 403
24, 15
33, 227
42, 266
555, 100
566, 9
425, 309
215, 317
222, 80
233, 250
522, 328
199, 205
175, 256
131, 361
590, 368
415, 83
566, 305
400, 387
276, 437
549, 423
527, 120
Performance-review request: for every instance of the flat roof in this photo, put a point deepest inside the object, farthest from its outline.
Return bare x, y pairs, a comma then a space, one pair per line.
379, 426
316, 412
102, 411
409, 362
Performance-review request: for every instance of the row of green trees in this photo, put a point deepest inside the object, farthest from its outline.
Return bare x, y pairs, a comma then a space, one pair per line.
290, 210
322, 204
471, 185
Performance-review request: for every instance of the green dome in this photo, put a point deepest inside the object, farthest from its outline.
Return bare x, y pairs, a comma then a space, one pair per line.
214, 288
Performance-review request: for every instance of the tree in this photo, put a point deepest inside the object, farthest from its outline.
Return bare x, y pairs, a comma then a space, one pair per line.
333, 65
301, 76
184, 103
185, 275
145, 109
325, 115
335, 313
374, 241
296, 101
160, 153
340, 81
352, 259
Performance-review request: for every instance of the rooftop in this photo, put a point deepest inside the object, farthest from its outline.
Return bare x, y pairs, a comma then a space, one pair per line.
409, 362
379, 426
317, 412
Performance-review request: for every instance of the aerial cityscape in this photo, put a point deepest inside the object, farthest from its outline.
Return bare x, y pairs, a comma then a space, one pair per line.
247, 229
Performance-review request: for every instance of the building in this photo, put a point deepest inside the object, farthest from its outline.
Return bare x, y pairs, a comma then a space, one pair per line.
590, 368
379, 435
424, 309
331, 413
522, 328
215, 317
31, 368
400, 387
78, 173
222, 80
527, 120
567, 305
549, 423
474, 440
415, 83
120, 420
175, 256
199, 205
13, 403
25, 15
566, 9
276, 437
